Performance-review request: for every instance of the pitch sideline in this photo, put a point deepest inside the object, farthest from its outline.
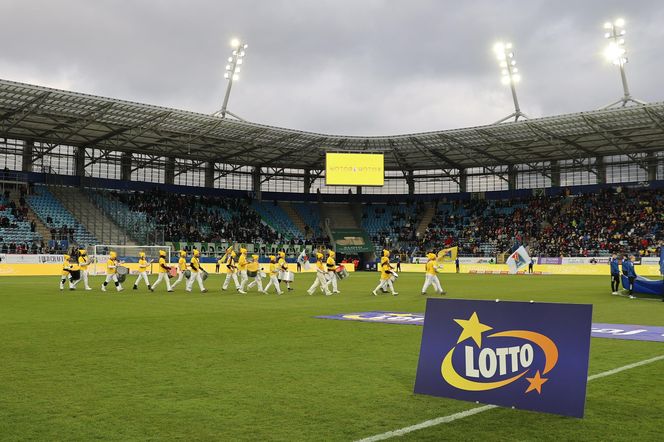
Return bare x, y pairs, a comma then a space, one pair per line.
477, 410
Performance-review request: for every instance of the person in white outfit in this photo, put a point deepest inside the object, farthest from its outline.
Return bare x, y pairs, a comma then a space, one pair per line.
386, 275
83, 263
143, 265
111, 272
231, 271
182, 267
430, 277
242, 270
332, 271
321, 277
274, 271
253, 267
162, 272
195, 265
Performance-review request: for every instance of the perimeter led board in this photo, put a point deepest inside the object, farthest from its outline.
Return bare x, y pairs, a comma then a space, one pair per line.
354, 169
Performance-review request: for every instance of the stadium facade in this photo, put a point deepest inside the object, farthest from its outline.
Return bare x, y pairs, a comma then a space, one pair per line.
106, 171
52, 131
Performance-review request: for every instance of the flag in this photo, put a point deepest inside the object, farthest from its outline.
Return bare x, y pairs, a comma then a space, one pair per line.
518, 260
302, 259
447, 255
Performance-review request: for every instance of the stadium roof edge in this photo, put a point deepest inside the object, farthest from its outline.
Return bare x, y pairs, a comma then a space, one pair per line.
70, 118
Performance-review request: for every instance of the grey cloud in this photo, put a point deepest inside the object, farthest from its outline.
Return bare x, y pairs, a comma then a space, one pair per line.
349, 67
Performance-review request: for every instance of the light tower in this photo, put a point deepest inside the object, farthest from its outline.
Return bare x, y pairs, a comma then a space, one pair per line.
615, 52
510, 75
233, 69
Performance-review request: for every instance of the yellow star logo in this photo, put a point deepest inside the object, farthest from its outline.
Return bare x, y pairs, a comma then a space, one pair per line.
536, 383
472, 328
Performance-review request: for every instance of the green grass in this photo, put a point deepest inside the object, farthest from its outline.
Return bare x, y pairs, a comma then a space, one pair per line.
135, 366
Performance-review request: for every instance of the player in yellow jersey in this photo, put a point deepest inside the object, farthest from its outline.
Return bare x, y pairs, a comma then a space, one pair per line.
274, 271
231, 271
332, 270
162, 272
111, 272
430, 277
83, 263
283, 267
143, 265
196, 270
242, 269
321, 277
386, 274
254, 267
182, 267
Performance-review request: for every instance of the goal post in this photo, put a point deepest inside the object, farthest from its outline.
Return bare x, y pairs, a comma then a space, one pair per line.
127, 254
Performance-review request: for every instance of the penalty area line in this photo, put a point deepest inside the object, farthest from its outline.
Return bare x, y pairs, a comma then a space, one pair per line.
477, 410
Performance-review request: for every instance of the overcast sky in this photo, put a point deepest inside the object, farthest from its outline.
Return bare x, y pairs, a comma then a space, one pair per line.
363, 67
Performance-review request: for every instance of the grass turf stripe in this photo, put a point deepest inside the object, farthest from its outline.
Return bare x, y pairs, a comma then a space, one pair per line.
477, 410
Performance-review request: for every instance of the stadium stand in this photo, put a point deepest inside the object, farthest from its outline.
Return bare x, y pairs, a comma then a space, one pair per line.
184, 218
593, 224
391, 225
275, 216
17, 233
62, 223
310, 214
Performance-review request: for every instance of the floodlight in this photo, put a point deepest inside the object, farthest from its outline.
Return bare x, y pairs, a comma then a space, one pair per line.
232, 70
615, 53
509, 75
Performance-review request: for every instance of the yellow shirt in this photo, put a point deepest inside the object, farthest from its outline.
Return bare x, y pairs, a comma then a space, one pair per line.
162, 263
74, 266
274, 269
430, 268
142, 265
230, 264
182, 263
242, 262
331, 265
110, 266
320, 266
195, 264
252, 266
83, 262
65, 268
384, 268
283, 264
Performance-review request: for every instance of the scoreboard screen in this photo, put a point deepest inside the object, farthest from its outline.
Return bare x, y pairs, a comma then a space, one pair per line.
354, 169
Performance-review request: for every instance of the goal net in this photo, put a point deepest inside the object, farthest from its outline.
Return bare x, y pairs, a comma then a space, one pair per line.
127, 254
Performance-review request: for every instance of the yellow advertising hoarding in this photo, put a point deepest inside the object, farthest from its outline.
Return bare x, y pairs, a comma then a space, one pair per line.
354, 169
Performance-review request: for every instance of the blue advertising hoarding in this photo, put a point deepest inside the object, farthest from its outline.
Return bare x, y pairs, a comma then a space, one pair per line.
532, 356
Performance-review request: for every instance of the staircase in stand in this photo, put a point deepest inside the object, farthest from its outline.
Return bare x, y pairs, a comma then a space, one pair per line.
427, 216
294, 216
94, 219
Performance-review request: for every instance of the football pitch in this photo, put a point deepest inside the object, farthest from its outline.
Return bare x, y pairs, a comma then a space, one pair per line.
221, 366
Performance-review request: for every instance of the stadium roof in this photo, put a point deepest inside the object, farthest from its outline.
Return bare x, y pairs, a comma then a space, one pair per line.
68, 118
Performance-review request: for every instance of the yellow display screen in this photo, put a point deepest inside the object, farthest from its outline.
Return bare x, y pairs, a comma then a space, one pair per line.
354, 169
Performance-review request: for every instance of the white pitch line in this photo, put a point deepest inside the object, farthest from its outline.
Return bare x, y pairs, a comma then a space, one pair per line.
477, 410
